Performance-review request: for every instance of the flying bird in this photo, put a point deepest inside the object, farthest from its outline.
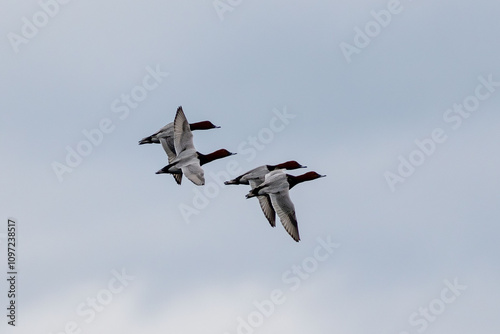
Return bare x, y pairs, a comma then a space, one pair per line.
276, 186
167, 132
184, 159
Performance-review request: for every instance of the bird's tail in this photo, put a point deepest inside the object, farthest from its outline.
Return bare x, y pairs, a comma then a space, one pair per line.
147, 140
165, 169
252, 193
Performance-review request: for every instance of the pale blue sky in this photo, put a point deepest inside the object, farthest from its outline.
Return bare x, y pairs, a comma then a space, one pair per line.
352, 122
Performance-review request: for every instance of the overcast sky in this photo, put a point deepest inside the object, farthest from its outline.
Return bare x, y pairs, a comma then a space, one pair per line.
397, 102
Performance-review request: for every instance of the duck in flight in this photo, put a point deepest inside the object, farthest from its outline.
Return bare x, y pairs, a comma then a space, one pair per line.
183, 158
167, 132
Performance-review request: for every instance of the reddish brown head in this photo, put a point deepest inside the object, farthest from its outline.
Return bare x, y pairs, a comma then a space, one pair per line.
219, 154
294, 180
289, 165
205, 125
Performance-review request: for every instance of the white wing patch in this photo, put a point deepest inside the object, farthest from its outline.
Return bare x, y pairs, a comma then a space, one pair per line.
195, 173
183, 138
286, 211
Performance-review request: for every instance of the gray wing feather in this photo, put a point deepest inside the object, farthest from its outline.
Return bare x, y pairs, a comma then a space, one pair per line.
286, 211
256, 174
267, 209
275, 182
167, 144
195, 173
183, 138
